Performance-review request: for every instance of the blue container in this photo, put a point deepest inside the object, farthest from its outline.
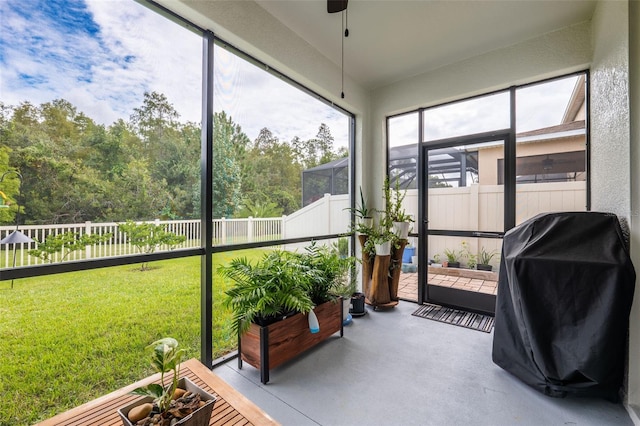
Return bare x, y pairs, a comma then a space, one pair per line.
408, 252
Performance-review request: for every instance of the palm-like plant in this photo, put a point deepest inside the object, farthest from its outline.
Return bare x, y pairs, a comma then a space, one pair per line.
277, 284
328, 269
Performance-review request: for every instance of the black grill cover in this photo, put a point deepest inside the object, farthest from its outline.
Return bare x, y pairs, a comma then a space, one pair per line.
562, 311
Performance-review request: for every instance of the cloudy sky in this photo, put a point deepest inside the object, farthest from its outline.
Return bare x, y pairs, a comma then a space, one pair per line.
102, 55
537, 106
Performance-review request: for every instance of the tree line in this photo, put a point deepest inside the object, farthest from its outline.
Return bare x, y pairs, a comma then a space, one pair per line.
75, 170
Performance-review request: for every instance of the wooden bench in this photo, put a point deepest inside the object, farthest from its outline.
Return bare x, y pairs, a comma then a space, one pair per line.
231, 407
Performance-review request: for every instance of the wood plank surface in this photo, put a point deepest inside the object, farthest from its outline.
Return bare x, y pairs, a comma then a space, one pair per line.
231, 407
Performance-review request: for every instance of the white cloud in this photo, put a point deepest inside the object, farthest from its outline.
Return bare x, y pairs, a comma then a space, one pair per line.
256, 99
537, 106
104, 63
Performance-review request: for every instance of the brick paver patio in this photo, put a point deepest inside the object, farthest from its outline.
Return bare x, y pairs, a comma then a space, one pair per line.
483, 282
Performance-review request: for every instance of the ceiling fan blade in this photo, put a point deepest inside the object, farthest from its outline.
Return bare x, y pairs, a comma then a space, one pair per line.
334, 6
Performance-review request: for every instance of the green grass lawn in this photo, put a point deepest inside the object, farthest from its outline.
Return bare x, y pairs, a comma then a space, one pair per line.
69, 338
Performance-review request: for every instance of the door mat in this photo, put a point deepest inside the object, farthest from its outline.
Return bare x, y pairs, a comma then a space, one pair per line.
456, 317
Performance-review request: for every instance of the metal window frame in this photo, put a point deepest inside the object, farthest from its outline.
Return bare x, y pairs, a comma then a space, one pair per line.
509, 158
207, 249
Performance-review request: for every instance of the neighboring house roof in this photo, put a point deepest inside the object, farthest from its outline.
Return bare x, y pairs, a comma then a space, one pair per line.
559, 128
576, 101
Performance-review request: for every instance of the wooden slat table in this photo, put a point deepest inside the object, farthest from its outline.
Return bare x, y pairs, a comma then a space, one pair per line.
231, 407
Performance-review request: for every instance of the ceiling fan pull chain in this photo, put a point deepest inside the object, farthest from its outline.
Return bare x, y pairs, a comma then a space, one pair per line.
346, 31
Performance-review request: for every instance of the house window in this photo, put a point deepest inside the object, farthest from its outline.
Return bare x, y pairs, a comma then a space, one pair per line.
555, 167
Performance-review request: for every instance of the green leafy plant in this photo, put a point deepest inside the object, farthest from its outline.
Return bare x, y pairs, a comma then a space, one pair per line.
452, 255
484, 257
147, 237
330, 271
65, 244
259, 208
166, 357
275, 285
364, 215
326, 266
346, 284
282, 282
393, 198
341, 246
361, 210
383, 235
472, 259
379, 235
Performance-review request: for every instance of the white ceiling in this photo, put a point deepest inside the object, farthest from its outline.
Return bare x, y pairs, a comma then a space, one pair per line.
390, 40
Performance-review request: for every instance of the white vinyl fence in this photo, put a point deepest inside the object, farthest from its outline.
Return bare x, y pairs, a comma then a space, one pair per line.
477, 207
226, 231
481, 208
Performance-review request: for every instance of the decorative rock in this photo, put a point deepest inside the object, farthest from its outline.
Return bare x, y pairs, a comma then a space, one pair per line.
140, 412
178, 393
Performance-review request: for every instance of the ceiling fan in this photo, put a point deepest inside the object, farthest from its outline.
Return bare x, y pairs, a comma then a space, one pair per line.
334, 6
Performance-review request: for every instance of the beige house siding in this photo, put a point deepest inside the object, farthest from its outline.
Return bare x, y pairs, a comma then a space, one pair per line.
488, 157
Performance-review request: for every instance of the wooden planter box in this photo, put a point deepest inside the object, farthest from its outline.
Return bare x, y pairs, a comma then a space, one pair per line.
266, 347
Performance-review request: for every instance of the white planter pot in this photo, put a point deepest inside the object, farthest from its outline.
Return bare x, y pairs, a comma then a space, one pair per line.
414, 260
367, 221
383, 249
401, 229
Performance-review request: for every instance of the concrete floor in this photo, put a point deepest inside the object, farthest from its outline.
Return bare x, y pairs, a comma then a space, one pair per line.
392, 368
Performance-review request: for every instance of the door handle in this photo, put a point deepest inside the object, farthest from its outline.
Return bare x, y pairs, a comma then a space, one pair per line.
487, 234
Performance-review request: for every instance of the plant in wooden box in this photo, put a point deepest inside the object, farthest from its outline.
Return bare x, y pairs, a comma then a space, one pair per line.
273, 304
275, 287
179, 402
328, 269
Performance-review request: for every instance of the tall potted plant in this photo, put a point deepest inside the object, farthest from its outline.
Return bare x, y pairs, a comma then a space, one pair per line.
174, 401
395, 214
383, 241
